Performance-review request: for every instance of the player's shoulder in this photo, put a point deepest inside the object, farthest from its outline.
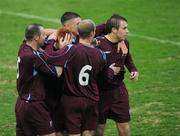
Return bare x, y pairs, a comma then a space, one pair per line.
100, 38
99, 52
25, 49
86, 49
79, 47
26, 52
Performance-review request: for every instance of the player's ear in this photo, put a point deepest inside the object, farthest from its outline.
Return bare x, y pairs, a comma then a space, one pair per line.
36, 37
92, 34
114, 30
67, 25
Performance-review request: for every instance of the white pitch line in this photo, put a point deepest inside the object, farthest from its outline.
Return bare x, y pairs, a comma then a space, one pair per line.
154, 39
28, 16
46, 19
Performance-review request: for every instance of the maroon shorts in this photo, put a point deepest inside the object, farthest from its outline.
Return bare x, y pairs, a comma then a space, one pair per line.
81, 114
114, 104
58, 117
32, 118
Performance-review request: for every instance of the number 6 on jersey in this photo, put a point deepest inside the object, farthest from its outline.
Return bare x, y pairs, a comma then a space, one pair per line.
84, 76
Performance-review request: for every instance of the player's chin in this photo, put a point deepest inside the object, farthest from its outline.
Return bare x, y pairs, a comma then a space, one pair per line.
126, 36
41, 44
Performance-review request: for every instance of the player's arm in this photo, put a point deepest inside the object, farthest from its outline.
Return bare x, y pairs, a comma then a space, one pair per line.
131, 66
62, 56
49, 31
111, 70
40, 64
51, 48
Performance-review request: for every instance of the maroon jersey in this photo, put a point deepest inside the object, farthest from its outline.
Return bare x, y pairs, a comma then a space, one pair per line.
31, 65
82, 64
117, 58
53, 86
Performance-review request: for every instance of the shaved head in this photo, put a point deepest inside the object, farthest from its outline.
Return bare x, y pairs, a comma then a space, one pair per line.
67, 16
32, 30
85, 28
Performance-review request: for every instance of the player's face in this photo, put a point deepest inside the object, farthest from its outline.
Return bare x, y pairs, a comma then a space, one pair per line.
72, 24
41, 37
122, 32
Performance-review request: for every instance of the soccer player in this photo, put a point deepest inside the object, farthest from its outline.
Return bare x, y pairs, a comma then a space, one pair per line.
32, 116
114, 103
81, 97
54, 86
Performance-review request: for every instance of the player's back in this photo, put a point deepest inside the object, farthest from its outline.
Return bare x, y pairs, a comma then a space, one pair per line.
81, 71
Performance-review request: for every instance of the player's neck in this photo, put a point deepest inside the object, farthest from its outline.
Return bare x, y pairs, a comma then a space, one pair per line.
111, 38
86, 42
32, 45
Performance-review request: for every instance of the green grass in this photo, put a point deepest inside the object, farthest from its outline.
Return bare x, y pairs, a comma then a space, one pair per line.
154, 99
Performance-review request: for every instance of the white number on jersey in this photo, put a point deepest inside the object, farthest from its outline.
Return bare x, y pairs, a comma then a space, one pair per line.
84, 76
18, 61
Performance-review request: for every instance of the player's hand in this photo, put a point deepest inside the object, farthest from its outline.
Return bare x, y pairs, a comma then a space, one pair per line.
122, 46
114, 68
65, 40
134, 75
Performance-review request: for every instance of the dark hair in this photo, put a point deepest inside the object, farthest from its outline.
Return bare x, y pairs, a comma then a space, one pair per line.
32, 30
85, 28
68, 16
113, 21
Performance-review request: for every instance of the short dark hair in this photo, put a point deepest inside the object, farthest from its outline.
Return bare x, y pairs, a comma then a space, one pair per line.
68, 16
32, 30
85, 27
113, 21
